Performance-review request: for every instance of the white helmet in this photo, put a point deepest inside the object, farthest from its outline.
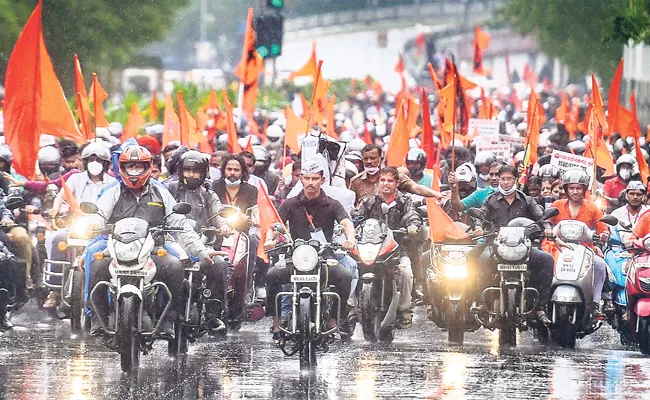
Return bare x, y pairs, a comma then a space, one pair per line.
115, 128
625, 159
275, 132
346, 136
49, 155
96, 149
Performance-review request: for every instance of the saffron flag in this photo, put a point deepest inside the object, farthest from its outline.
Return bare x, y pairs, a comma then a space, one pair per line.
187, 121
98, 95
34, 102
308, 69
641, 161
597, 148
535, 114
399, 67
70, 199
613, 101
268, 217
599, 109
398, 146
367, 137
249, 68
231, 128
444, 227
296, 126
82, 108
153, 108
447, 106
172, 125
481, 43
134, 123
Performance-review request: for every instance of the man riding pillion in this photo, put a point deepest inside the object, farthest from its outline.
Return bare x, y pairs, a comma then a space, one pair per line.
634, 196
416, 161
311, 215
499, 209
402, 214
138, 196
190, 188
625, 169
576, 207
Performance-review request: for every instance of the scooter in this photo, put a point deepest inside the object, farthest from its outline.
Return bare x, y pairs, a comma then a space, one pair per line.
573, 280
637, 288
616, 258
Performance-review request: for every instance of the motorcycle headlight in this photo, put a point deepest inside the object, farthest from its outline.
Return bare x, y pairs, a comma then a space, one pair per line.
304, 258
368, 252
455, 271
80, 227
512, 253
570, 231
127, 252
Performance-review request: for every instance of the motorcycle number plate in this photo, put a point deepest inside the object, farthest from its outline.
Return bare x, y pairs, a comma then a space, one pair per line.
304, 278
127, 272
512, 267
643, 265
193, 268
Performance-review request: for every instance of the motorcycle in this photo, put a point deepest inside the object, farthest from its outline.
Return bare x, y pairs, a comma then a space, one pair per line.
313, 304
243, 304
131, 329
378, 255
616, 258
572, 286
637, 288
511, 304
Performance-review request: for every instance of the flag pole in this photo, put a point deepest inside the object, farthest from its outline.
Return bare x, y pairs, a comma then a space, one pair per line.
594, 149
95, 83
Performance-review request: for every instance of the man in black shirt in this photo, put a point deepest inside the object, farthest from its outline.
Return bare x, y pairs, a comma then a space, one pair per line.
311, 215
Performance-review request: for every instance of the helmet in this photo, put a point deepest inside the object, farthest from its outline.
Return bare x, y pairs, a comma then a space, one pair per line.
49, 155
260, 153
274, 132
484, 158
354, 155
519, 157
135, 154
625, 159
575, 175
577, 146
115, 128
174, 159
96, 149
636, 185
418, 155
350, 169
546, 171
193, 160
6, 155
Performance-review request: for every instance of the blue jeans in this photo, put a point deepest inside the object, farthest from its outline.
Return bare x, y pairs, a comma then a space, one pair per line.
94, 245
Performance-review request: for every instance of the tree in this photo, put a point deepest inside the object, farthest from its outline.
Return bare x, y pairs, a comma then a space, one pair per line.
572, 31
105, 34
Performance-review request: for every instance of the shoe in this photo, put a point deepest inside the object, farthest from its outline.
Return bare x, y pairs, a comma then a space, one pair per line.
166, 330
352, 315
542, 318
215, 325
596, 313
52, 300
260, 293
95, 326
608, 307
6, 323
404, 319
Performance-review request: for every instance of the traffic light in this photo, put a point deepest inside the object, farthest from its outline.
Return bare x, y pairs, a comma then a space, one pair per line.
277, 4
269, 30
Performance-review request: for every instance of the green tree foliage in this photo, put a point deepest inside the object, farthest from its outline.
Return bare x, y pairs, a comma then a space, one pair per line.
573, 31
105, 34
631, 23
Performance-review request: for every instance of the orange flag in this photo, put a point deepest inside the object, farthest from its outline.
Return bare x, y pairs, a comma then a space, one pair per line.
83, 109
329, 117
535, 113
308, 69
481, 43
641, 161
172, 125
398, 146
447, 106
412, 117
306, 110
399, 67
34, 102
188, 123
434, 78
70, 199
153, 108
268, 217
598, 109
134, 123
562, 110
98, 95
231, 128
249, 144
296, 126
367, 137
322, 86
597, 148
249, 68
211, 102
444, 227
613, 100
427, 132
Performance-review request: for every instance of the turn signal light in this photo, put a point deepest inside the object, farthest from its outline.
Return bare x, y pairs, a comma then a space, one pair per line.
98, 256
161, 252
63, 246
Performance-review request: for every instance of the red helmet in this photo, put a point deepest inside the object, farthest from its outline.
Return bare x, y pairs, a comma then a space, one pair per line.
135, 155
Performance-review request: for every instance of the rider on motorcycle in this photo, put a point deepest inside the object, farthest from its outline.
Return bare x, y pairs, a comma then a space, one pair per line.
483, 162
625, 168
576, 207
403, 214
630, 213
138, 196
416, 161
262, 164
190, 188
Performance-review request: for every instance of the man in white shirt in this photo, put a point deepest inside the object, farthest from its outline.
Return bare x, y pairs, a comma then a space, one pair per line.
630, 213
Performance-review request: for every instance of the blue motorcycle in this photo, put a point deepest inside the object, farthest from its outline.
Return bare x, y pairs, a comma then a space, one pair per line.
616, 259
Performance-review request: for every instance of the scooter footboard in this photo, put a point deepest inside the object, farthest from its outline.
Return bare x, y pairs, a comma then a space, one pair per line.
566, 294
642, 307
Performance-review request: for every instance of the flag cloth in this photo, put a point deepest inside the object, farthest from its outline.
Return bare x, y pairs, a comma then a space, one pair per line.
134, 123
212, 102
367, 137
563, 110
249, 68
447, 106
597, 148
268, 217
34, 102
328, 113
413, 112
98, 95
306, 110
535, 112
187, 121
434, 77
70, 199
82, 107
231, 128
398, 146
296, 126
428, 145
322, 86
530, 77
308, 69
172, 125
444, 227
641, 161
249, 144
598, 109
613, 101
481, 43
399, 67
153, 108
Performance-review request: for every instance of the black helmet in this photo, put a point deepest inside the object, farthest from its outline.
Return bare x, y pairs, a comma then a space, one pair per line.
172, 164
193, 160
7, 156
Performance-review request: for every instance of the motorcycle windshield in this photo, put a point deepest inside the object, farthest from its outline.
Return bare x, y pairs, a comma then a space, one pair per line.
129, 230
511, 236
372, 232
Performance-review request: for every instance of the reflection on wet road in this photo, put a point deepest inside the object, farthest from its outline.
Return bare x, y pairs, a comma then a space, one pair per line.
40, 360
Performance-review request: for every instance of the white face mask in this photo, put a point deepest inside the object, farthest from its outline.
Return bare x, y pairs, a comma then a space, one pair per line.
485, 177
235, 183
95, 168
371, 170
625, 174
507, 192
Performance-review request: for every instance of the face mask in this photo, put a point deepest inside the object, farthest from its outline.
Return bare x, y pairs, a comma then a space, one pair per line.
233, 183
95, 168
507, 192
193, 183
625, 174
484, 177
371, 170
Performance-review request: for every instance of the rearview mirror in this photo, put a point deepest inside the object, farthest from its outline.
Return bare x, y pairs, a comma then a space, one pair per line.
609, 220
89, 208
551, 212
625, 224
227, 211
182, 208
14, 202
279, 228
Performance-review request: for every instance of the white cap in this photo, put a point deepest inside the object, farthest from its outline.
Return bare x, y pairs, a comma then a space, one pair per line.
311, 166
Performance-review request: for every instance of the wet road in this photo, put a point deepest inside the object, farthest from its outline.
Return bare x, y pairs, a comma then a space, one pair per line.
41, 360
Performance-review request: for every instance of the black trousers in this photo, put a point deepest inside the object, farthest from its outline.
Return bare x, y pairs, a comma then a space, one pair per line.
338, 276
168, 270
216, 273
540, 266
